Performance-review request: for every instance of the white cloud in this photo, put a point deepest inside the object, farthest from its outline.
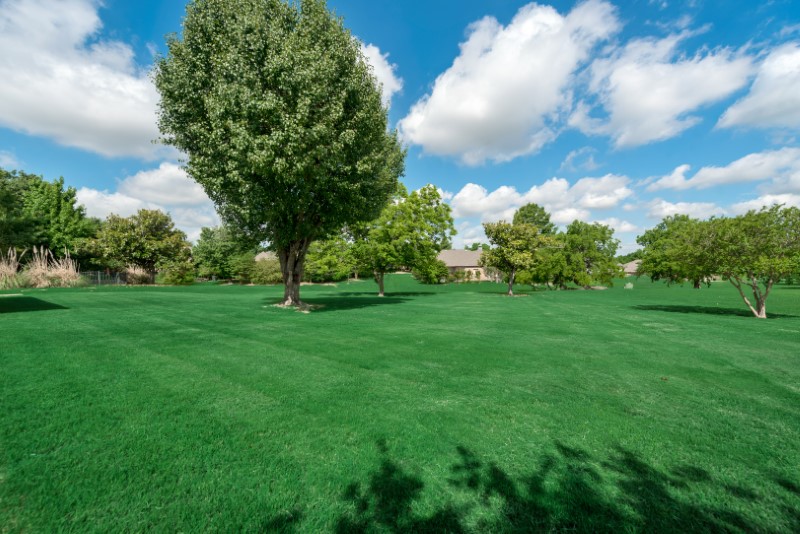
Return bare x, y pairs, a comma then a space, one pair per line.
781, 166
649, 92
580, 159
58, 81
565, 202
168, 184
383, 70
502, 94
774, 98
469, 233
658, 209
766, 201
8, 160
619, 225
166, 188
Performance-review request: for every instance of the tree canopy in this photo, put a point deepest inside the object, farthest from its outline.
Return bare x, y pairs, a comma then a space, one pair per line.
537, 216
514, 248
677, 250
147, 239
410, 232
282, 122
589, 251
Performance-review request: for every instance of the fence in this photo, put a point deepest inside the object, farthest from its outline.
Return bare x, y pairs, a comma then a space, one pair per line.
102, 278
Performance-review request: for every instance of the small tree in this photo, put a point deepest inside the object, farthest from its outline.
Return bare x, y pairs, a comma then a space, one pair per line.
282, 121
589, 252
537, 216
147, 239
214, 252
330, 260
755, 251
514, 248
409, 233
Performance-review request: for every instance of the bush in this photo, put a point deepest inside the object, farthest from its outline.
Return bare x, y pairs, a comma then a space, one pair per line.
434, 272
266, 272
176, 273
9, 270
45, 270
137, 276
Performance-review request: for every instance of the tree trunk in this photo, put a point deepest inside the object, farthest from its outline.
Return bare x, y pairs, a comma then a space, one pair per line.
379, 279
697, 284
760, 309
292, 260
511, 282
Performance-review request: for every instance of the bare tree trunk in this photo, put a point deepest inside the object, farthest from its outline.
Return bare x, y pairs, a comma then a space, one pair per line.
697, 283
292, 260
760, 309
379, 279
511, 276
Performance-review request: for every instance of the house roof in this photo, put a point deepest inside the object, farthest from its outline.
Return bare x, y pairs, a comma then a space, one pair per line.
460, 258
631, 267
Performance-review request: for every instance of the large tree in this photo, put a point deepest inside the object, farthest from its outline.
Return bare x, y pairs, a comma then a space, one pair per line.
755, 250
282, 122
515, 247
410, 232
677, 250
147, 239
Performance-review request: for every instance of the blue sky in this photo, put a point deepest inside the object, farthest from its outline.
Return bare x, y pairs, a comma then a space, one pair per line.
614, 112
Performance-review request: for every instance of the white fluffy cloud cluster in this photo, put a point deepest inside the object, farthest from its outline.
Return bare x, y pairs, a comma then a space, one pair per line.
649, 95
167, 188
564, 201
774, 98
57, 81
781, 168
501, 97
384, 71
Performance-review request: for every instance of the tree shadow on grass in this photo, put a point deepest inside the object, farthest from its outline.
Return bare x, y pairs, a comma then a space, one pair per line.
568, 489
338, 303
707, 310
14, 304
285, 522
374, 293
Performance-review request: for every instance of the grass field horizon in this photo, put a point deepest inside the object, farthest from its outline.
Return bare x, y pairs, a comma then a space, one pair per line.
437, 408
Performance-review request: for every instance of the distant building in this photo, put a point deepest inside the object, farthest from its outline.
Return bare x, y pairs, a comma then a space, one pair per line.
631, 268
464, 260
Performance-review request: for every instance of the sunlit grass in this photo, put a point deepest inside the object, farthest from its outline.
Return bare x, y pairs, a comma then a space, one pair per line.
435, 408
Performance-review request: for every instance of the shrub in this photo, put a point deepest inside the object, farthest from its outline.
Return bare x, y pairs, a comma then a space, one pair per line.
176, 273
266, 272
434, 272
9, 270
45, 270
137, 276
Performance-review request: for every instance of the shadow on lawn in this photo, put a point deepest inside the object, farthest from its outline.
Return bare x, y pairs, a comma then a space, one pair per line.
14, 304
568, 490
707, 310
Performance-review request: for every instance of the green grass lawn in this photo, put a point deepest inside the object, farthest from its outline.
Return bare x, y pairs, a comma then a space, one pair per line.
434, 409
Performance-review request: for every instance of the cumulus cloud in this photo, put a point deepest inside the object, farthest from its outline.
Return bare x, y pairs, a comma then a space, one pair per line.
781, 166
565, 202
502, 94
767, 201
383, 70
649, 91
774, 98
168, 184
619, 225
58, 81
166, 188
659, 208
